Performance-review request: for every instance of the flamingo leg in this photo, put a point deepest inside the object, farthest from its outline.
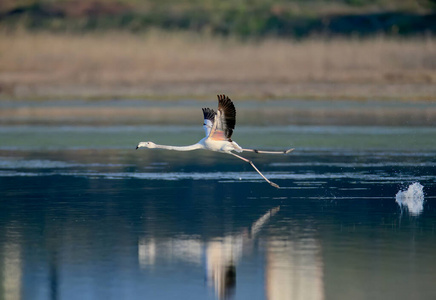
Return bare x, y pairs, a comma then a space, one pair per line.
269, 152
251, 163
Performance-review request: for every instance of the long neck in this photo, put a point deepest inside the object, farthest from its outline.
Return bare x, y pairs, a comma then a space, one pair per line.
180, 148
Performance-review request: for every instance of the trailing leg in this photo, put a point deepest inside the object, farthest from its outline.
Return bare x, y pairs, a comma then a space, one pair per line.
269, 152
257, 170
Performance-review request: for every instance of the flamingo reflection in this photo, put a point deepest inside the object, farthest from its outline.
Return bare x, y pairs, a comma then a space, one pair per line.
222, 254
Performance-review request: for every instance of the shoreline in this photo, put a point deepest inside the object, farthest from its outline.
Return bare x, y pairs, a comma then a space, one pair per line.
185, 111
178, 65
407, 92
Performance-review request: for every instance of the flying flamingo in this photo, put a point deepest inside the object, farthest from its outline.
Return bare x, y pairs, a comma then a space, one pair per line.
218, 127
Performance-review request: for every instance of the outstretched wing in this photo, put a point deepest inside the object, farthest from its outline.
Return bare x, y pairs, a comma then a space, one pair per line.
225, 119
209, 117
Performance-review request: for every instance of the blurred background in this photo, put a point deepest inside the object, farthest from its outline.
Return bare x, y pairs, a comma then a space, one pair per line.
328, 49
350, 84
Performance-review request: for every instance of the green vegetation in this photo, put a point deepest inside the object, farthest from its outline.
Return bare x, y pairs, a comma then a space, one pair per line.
333, 49
242, 18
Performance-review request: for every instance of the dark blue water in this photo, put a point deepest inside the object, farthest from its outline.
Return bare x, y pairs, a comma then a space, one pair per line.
85, 216
117, 223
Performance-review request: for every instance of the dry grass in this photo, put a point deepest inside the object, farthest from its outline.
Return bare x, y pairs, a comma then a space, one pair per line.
179, 64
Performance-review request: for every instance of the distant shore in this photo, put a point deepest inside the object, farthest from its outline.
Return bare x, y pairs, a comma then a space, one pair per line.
164, 65
185, 111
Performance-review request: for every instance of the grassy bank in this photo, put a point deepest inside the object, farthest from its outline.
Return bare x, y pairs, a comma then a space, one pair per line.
161, 64
242, 18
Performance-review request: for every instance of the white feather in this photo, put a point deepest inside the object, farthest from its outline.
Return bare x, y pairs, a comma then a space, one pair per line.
207, 126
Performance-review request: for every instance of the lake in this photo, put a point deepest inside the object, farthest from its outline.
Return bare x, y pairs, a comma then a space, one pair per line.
84, 214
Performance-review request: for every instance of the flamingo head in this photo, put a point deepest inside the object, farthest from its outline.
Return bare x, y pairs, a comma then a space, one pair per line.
149, 145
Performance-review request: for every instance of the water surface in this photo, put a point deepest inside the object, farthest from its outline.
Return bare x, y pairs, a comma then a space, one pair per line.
83, 213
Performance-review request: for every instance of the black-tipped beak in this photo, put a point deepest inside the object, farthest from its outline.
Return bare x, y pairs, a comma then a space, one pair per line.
137, 147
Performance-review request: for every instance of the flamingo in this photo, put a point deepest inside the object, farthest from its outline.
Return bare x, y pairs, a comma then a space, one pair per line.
218, 127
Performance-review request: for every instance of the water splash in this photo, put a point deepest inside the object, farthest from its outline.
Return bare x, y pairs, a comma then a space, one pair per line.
412, 199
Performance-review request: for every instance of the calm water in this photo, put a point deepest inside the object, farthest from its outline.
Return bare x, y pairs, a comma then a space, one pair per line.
83, 213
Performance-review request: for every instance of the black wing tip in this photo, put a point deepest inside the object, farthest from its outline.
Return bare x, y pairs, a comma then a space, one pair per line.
226, 103
223, 99
228, 108
208, 113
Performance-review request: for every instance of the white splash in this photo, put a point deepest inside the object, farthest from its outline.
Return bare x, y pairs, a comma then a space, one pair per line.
412, 199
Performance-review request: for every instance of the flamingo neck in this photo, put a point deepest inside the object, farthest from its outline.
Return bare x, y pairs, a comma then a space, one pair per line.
180, 148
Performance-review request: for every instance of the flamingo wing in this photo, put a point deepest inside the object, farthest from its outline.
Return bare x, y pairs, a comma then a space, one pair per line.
224, 121
209, 117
